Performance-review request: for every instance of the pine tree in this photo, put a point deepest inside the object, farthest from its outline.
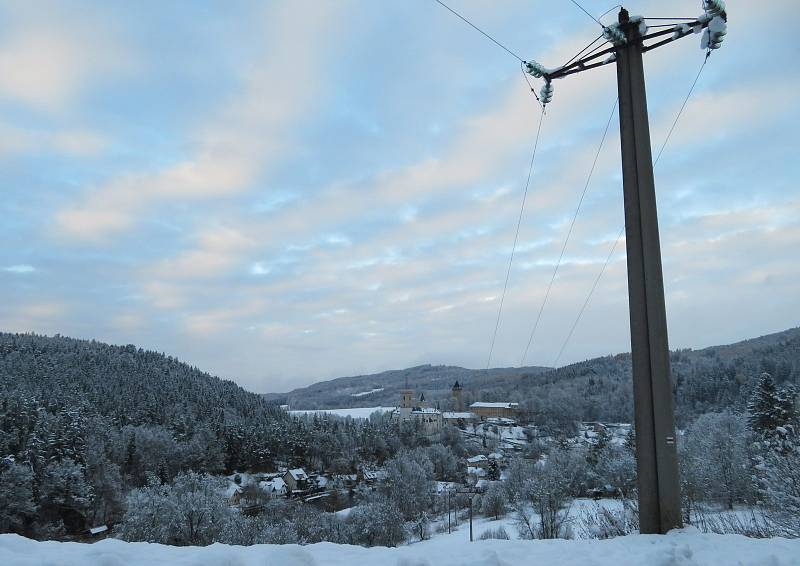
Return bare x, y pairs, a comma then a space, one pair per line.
770, 408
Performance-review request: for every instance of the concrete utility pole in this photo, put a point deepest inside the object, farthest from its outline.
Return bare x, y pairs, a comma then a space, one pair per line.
656, 451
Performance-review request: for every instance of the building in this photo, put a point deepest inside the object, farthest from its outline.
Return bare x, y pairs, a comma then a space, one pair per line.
479, 461
458, 402
296, 480
428, 419
458, 418
489, 410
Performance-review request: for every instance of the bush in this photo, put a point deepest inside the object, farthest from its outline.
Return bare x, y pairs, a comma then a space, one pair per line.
498, 533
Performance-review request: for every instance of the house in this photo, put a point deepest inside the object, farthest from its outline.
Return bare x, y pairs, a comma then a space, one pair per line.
233, 494
296, 480
459, 418
487, 410
479, 461
345, 480
373, 476
497, 457
98, 532
274, 487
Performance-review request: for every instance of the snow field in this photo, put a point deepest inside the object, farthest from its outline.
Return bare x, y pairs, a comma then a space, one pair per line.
686, 547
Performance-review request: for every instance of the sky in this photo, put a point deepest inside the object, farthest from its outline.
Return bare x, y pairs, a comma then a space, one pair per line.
284, 192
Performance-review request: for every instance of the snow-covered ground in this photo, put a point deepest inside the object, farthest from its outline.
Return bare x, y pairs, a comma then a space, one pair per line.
687, 547
370, 392
355, 412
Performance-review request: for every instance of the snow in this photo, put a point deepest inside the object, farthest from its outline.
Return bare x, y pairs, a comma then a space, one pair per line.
354, 412
363, 393
485, 405
298, 474
684, 547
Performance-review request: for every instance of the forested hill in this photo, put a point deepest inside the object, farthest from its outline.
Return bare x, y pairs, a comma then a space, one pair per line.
126, 384
383, 389
717, 378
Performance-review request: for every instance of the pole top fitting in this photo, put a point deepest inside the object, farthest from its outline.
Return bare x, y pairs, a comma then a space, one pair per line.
623, 16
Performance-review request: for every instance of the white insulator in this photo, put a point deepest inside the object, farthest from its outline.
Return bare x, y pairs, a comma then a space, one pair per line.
536, 69
714, 7
613, 34
714, 34
546, 94
681, 30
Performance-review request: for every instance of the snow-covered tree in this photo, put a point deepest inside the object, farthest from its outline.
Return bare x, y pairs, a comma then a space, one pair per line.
410, 483
493, 502
377, 523
16, 497
190, 511
65, 495
715, 460
770, 408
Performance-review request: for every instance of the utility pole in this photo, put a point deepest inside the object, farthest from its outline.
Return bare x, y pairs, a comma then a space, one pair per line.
656, 450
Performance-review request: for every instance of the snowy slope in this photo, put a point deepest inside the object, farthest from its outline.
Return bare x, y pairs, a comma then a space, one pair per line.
687, 547
354, 412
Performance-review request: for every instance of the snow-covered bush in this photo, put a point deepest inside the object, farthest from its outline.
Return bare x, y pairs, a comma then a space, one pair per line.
602, 522
190, 511
376, 524
498, 533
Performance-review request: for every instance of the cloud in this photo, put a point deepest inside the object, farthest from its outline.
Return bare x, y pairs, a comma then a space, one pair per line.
49, 57
20, 269
245, 136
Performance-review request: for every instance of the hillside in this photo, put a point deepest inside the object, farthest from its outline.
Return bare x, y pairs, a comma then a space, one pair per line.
125, 384
710, 379
384, 388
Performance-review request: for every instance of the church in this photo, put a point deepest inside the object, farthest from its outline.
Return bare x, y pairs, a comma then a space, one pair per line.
428, 419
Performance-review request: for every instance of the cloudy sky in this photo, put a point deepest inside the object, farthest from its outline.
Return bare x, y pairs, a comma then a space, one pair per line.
291, 191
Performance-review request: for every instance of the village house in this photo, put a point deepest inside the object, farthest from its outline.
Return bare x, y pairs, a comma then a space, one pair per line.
479, 461
296, 480
459, 418
274, 487
487, 410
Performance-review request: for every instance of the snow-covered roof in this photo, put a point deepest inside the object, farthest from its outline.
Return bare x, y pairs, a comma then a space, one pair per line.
298, 474
232, 490
495, 456
473, 471
458, 415
476, 459
485, 405
425, 410
275, 485
98, 530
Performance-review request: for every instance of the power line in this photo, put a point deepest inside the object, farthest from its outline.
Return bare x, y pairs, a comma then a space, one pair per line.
516, 237
489, 37
685, 100
589, 296
587, 13
614, 247
569, 232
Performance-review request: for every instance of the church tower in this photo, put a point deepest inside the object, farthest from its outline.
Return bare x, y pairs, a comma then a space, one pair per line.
456, 391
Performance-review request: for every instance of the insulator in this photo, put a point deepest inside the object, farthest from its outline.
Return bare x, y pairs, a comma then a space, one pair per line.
536, 69
546, 94
714, 34
613, 34
714, 7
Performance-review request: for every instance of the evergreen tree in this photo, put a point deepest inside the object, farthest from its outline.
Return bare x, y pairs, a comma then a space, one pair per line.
770, 408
